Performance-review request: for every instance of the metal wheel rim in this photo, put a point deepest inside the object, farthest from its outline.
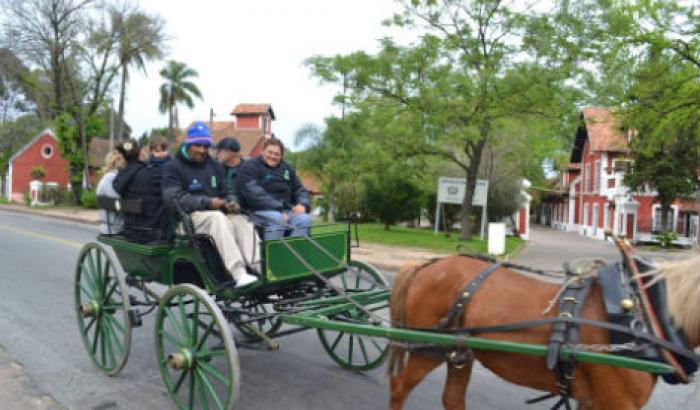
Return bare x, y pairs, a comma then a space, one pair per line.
98, 279
343, 347
199, 389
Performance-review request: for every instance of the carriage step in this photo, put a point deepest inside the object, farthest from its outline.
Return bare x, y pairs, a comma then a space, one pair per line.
135, 318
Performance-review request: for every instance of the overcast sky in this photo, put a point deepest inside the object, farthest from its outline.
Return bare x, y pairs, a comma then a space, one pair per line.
252, 52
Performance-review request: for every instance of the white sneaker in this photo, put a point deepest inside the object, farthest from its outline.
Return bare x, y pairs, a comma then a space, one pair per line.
245, 279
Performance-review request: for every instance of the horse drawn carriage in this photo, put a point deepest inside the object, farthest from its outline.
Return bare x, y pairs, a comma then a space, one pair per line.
313, 283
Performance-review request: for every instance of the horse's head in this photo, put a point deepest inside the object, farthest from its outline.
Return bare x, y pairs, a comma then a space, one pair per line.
683, 284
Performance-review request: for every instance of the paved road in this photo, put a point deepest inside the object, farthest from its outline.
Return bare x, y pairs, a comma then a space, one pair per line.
37, 329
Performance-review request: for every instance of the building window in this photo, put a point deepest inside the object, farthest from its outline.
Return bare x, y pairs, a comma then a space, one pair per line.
611, 183
585, 215
656, 224
596, 177
587, 178
47, 151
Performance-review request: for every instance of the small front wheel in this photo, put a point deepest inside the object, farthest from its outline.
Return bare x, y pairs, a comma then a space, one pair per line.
102, 308
356, 352
196, 353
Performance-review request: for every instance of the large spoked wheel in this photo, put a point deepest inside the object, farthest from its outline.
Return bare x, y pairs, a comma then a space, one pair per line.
195, 350
264, 323
102, 308
356, 352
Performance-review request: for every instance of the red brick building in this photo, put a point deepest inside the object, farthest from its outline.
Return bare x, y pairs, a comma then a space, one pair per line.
42, 151
592, 197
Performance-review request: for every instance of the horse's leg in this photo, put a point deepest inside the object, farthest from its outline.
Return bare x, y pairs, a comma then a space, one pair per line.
454, 395
416, 368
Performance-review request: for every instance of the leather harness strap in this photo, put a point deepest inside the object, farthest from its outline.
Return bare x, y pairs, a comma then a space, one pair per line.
451, 319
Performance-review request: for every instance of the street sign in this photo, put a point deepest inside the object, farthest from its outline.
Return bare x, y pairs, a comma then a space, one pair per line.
451, 191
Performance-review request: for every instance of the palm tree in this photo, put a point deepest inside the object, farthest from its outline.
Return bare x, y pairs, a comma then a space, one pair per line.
176, 89
141, 39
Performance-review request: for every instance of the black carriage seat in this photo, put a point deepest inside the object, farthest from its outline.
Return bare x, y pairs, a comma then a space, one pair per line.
126, 206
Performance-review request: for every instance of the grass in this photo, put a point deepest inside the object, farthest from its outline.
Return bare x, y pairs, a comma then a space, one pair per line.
426, 239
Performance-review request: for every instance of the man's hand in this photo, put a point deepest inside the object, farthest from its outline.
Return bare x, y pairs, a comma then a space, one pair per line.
232, 207
217, 203
298, 209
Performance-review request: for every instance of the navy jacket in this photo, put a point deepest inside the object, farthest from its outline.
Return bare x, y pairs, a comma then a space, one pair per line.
143, 181
193, 184
262, 188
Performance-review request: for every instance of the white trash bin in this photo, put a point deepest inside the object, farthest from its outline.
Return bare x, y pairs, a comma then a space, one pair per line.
497, 238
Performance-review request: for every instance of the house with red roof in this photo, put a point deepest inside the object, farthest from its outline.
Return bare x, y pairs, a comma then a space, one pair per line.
591, 196
252, 125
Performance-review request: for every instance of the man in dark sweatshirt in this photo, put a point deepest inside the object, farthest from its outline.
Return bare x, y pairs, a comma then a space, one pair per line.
270, 188
196, 182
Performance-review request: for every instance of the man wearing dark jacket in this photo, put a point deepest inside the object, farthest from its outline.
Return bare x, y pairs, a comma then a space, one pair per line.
229, 156
195, 181
142, 181
271, 189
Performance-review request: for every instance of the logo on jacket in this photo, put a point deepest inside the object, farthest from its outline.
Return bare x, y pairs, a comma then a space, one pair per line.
195, 185
213, 181
286, 174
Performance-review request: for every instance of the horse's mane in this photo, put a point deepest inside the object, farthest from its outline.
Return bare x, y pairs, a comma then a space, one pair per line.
683, 287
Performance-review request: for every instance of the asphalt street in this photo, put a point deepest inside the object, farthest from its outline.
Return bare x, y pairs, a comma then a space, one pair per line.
38, 329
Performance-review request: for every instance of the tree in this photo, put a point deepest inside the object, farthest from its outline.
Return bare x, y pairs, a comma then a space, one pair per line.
477, 64
141, 39
391, 197
177, 89
13, 99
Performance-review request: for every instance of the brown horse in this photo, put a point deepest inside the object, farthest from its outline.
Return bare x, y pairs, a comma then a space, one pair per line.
423, 295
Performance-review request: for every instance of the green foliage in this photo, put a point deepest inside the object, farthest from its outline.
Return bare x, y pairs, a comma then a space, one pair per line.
88, 199
460, 85
70, 145
26, 198
392, 198
177, 89
38, 172
666, 238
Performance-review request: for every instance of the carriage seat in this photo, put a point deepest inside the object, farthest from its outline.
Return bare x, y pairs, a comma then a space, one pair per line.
127, 206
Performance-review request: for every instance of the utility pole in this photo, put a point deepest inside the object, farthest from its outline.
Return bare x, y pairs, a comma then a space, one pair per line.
111, 125
211, 120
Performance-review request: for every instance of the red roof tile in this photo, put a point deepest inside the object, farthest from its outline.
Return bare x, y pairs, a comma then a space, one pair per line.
605, 133
245, 109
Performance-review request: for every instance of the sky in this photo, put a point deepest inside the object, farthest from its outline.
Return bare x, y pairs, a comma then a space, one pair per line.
253, 52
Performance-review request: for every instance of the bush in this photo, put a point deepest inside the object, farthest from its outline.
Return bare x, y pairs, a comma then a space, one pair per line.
666, 238
88, 199
27, 198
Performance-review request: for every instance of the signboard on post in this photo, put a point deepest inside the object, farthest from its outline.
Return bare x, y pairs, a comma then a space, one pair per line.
451, 191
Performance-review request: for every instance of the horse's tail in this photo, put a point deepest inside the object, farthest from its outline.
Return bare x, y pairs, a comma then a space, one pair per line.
402, 283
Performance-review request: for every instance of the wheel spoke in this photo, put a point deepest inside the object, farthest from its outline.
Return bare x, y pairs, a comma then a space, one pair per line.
85, 291
211, 370
183, 317
343, 280
87, 328
210, 353
175, 324
111, 290
172, 339
180, 380
108, 345
207, 331
195, 321
97, 336
350, 348
379, 348
102, 342
202, 393
337, 340
116, 324
96, 274
192, 390
357, 279
363, 349
90, 280
113, 324
212, 391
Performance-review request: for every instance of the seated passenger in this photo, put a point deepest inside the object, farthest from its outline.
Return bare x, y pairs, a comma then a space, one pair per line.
139, 180
110, 222
158, 148
270, 188
196, 182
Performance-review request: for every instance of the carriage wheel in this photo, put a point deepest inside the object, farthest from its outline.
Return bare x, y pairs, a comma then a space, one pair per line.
102, 308
191, 333
266, 326
356, 352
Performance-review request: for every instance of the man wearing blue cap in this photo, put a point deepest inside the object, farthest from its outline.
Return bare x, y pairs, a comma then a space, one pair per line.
196, 182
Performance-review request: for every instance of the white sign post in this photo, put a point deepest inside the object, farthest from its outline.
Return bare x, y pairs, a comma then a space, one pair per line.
451, 191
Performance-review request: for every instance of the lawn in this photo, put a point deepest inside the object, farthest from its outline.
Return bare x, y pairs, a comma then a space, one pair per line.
426, 239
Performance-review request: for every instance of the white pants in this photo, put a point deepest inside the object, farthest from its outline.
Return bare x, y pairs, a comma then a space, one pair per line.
234, 236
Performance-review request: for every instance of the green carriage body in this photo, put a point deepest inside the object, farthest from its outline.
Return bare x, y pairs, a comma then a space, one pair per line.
175, 263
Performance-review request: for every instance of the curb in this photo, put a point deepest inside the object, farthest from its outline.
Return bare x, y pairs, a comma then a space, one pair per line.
49, 214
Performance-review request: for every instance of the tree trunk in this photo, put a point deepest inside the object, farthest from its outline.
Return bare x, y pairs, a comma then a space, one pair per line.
665, 208
387, 226
472, 174
122, 97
